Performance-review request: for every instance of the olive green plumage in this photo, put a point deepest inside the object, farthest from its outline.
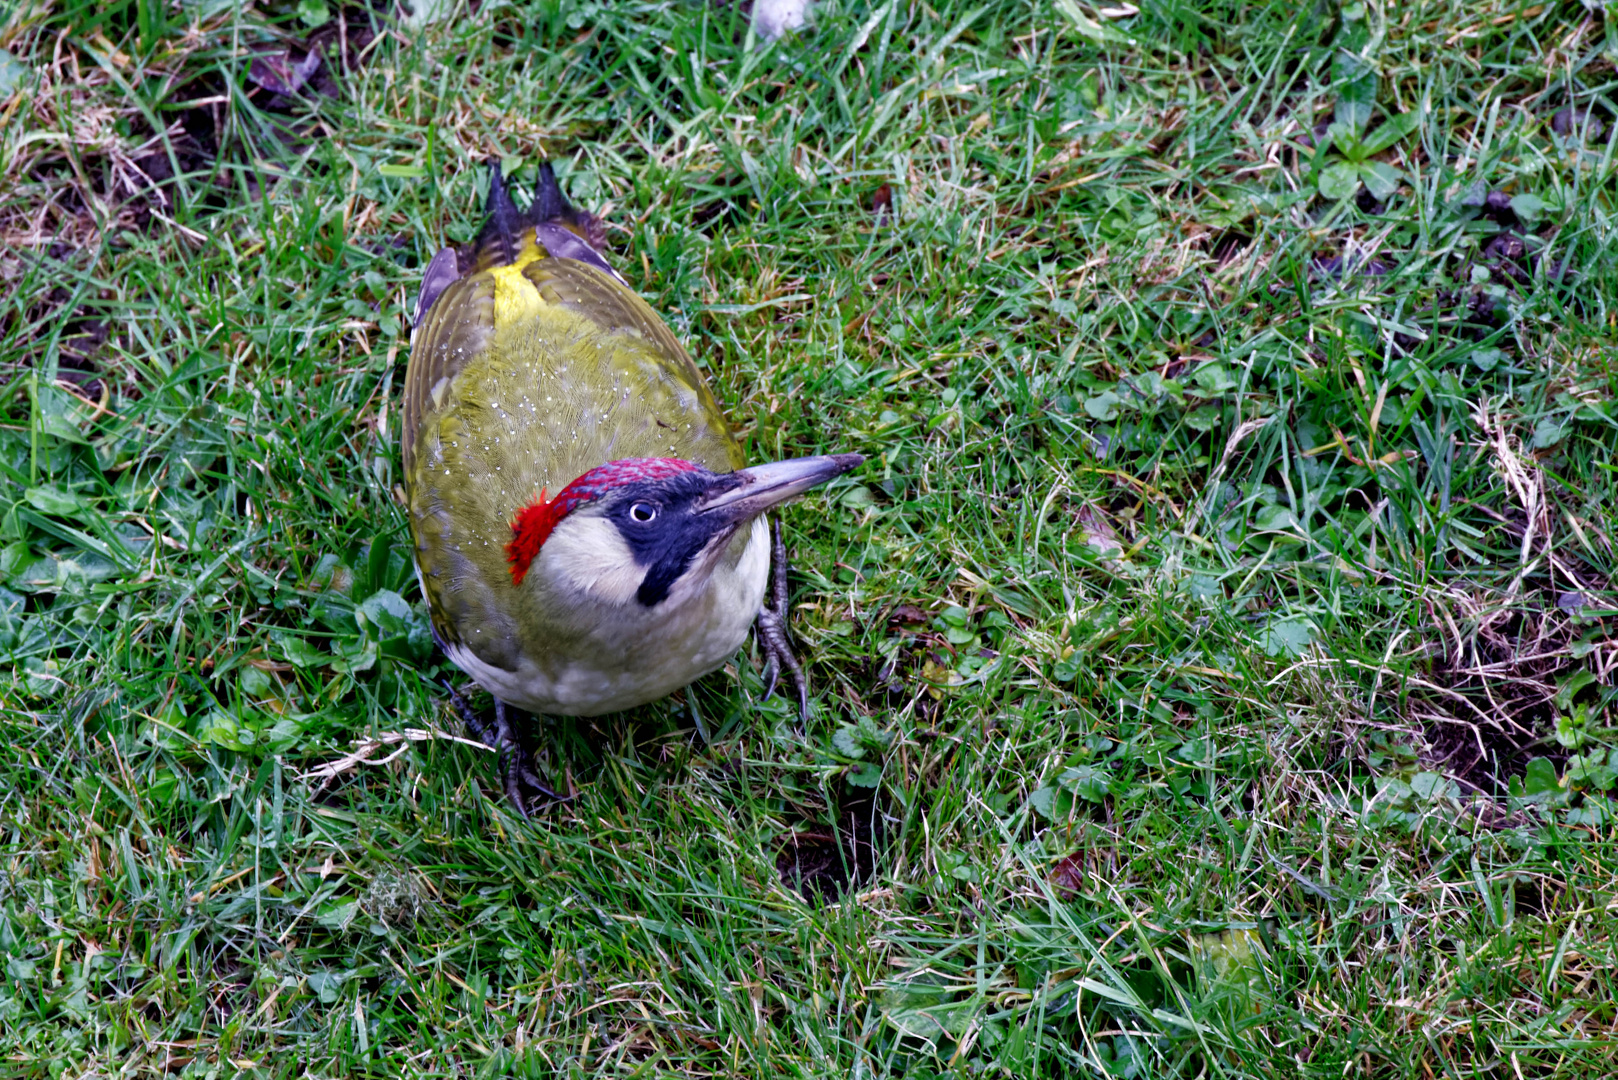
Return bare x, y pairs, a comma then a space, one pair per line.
525, 373
586, 536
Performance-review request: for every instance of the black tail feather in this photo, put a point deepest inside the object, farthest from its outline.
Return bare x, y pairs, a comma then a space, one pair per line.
504, 221
562, 230
549, 203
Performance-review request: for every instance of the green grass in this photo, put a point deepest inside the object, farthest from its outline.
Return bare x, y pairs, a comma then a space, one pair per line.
1214, 658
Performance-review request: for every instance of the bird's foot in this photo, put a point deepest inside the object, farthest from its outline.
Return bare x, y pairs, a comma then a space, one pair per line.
516, 769
772, 628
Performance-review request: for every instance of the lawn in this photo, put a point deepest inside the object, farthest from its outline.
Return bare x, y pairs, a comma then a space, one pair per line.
1213, 663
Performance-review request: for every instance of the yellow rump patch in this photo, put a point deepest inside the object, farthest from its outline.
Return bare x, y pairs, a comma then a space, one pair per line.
515, 298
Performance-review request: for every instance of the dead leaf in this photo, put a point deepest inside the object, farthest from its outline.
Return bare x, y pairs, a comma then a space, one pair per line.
1067, 878
908, 615
1098, 534
280, 74
882, 202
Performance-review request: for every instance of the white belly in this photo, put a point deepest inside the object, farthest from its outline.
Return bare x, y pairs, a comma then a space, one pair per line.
643, 657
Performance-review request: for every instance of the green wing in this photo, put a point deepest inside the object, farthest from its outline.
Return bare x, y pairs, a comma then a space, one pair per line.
495, 414
459, 325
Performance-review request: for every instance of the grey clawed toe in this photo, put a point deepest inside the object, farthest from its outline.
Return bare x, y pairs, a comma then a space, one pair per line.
516, 771
772, 628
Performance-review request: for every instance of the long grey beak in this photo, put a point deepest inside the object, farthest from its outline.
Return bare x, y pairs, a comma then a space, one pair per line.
764, 486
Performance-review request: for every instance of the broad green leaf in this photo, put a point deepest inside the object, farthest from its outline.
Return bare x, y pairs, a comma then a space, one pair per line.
1233, 959
1382, 180
1345, 139
1539, 778
384, 612
60, 414
299, 652
1204, 419
1353, 77
162, 787
427, 12
1572, 684
15, 558
1571, 728
1211, 380
1340, 181
1286, 637
1100, 33
1051, 803
1528, 208
867, 775
1597, 770
1594, 811
858, 497
1087, 782
1393, 130
222, 729
1550, 431
932, 1023
53, 500
1434, 787
846, 741
1104, 406
43, 677
1274, 519
282, 735
12, 73
354, 657
335, 915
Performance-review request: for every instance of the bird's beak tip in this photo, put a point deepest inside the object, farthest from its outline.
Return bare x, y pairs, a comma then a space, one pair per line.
764, 486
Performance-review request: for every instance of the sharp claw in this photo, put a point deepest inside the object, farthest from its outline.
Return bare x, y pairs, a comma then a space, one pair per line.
532, 779
772, 671
474, 723
513, 786
515, 771
512, 758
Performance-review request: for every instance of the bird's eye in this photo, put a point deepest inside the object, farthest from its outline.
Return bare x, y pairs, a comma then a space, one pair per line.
643, 512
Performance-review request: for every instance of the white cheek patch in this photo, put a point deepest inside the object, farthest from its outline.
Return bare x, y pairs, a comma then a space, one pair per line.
585, 555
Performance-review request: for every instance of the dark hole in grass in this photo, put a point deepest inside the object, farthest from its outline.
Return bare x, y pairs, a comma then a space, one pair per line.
1509, 671
827, 862
181, 158
726, 207
1483, 758
1229, 245
1537, 897
1593, 123
342, 792
1249, 799
1369, 204
1341, 267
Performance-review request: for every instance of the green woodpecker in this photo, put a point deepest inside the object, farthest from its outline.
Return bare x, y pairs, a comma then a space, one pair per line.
586, 537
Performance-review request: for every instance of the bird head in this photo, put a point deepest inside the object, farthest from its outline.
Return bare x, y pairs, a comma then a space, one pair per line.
650, 531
